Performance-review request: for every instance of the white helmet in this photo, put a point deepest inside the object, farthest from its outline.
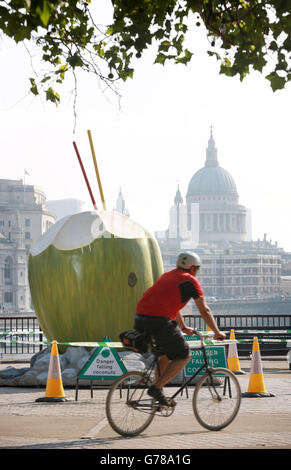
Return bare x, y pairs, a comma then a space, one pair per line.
187, 260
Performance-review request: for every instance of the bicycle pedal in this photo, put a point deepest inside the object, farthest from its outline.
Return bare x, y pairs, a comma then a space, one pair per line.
170, 406
173, 403
165, 411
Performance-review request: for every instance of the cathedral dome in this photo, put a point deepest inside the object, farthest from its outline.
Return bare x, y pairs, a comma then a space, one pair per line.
212, 179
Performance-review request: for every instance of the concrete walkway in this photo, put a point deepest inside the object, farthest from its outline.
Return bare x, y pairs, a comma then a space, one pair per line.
262, 423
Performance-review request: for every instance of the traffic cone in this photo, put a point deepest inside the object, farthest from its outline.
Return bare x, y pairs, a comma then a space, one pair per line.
232, 357
256, 383
54, 385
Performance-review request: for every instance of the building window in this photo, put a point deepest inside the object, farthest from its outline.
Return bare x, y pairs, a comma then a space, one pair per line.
27, 222
27, 235
8, 297
8, 270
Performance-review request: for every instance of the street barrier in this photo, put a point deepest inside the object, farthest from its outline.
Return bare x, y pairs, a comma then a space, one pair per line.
256, 386
54, 385
232, 357
120, 346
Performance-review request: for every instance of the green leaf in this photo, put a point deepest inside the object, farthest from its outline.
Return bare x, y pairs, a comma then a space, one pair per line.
52, 96
45, 79
185, 59
125, 74
277, 82
75, 61
164, 46
226, 62
160, 59
44, 12
228, 71
212, 53
109, 31
33, 87
22, 33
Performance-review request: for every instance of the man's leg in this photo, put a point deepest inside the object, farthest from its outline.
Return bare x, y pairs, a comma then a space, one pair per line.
171, 370
163, 363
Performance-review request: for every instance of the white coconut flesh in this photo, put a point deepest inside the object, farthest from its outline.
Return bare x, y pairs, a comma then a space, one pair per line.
79, 230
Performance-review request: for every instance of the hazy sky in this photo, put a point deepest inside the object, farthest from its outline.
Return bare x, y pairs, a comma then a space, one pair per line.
158, 137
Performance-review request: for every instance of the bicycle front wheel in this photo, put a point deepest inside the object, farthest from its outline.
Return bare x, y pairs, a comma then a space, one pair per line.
216, 400
129, 409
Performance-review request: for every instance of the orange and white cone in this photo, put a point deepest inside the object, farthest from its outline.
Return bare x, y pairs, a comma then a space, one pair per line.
232, 357
54, 385
256, 383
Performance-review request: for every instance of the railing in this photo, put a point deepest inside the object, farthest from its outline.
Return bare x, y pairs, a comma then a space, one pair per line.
20, 323
225, 322
276, 323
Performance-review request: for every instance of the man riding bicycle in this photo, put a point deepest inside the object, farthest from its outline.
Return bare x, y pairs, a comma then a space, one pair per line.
158, 313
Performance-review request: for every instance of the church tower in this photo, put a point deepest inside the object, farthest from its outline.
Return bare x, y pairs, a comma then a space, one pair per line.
120, 204
178, 223
221, 217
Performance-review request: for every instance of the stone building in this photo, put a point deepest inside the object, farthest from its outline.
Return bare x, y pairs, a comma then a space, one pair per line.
214, 224
23, 219
221, 217
14, 290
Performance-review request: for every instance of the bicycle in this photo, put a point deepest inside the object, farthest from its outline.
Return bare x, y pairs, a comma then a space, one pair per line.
130, 410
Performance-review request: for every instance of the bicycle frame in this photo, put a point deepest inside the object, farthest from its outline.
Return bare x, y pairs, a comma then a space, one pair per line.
204, 366
155, 364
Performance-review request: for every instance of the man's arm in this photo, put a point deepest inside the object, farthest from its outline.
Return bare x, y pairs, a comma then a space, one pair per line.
207, 316
182, 325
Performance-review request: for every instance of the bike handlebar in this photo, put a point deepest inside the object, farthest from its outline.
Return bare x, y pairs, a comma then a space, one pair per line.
202, 336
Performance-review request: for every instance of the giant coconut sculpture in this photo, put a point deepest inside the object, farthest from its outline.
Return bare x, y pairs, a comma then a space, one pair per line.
87, 273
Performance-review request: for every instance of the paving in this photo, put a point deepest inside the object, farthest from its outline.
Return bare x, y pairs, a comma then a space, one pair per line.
262, 423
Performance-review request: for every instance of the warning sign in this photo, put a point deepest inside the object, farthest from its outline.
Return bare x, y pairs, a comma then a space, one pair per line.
215, 355
104, 364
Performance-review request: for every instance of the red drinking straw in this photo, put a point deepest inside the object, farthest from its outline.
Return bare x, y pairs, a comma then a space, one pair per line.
85, 176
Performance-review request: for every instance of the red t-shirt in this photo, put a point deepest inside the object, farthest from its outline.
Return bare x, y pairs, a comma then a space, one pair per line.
169, 294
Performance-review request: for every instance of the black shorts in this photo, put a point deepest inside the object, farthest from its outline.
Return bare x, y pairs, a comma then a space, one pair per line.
168, 335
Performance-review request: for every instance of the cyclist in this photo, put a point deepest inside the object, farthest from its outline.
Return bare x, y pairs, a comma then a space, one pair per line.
158, 313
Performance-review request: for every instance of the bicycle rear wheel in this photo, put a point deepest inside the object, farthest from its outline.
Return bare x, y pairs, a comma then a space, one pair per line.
216, 406
129, 409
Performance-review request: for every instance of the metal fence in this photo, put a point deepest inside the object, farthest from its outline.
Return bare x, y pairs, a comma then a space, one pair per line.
13, 324
277, 324
225, 322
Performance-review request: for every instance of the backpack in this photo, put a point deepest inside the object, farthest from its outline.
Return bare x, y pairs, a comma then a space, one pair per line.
136, 340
